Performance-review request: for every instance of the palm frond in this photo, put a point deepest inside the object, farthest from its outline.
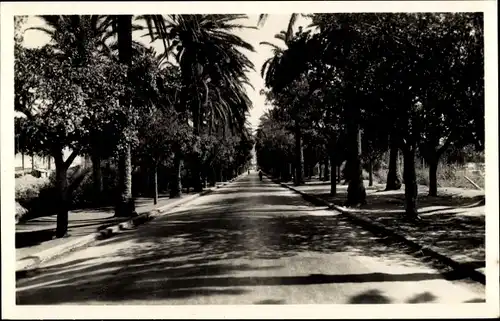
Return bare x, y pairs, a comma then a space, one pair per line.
262, 19
267, 43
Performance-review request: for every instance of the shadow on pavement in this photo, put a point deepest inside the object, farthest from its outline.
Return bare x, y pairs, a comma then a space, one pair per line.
270, 301
31, 238
370, 297
35, 237
375, 296
454, 227
187, 256
454, 234
240, 200
390, 201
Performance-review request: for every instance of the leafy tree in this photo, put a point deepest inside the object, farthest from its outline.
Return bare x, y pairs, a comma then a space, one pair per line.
291, 88
326, 115
345, 44
417, 57
453, 106
274, 145
79, 38
59, 106
160, 134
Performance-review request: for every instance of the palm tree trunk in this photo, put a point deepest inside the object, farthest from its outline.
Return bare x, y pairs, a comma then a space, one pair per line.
175, 181
356, 194
196, 163
126, 204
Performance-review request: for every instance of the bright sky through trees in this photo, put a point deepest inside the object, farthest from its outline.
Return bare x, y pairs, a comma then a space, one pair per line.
274, 24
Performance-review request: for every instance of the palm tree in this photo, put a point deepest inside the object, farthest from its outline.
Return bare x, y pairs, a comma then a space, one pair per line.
212, 67
122, 26
291, 23
269, 67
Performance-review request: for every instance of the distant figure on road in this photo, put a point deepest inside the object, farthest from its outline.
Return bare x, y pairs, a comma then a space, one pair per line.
260, 174
248, 172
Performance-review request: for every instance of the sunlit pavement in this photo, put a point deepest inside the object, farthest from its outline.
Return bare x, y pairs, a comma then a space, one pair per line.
251, 242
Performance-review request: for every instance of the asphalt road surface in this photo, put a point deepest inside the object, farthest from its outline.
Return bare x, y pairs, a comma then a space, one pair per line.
251, 242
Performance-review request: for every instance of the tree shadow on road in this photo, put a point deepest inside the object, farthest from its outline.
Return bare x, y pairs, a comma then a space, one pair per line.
210, 252
456, 230
238, 201
395, 202
249, 189
375, 296
453, 234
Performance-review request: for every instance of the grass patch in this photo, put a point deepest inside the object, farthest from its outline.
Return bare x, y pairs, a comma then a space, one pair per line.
448, 175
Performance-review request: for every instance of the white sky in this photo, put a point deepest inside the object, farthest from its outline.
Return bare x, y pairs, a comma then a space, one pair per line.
274, 24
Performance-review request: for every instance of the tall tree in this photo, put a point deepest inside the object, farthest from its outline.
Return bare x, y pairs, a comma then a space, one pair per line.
212, 69
78, 38
58, 102
346, 46
453, 106
286, 75
123, 28
291, 23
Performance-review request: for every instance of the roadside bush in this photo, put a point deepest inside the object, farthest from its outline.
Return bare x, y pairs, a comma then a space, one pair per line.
35, 196
28, 187
20, 212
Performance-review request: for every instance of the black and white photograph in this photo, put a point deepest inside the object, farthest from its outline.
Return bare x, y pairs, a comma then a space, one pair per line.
245, 159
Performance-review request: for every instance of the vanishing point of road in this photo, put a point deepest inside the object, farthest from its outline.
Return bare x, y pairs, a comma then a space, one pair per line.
251, 242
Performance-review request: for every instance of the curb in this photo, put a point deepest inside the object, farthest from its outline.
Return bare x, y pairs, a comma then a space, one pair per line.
32, 262
378, 228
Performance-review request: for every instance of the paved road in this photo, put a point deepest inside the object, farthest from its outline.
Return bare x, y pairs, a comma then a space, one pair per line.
251, 242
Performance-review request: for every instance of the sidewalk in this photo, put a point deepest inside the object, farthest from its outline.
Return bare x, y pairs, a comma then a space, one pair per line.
37, 234
452, 226
35, 237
